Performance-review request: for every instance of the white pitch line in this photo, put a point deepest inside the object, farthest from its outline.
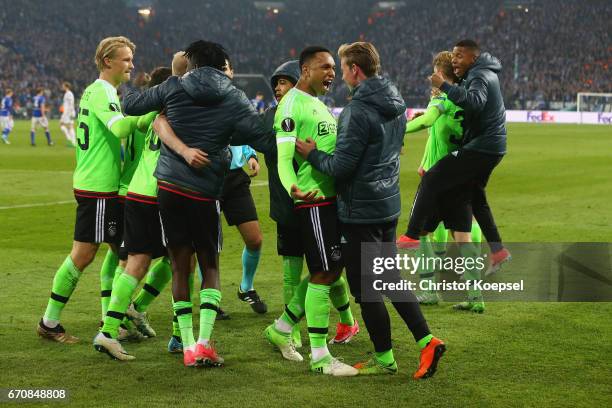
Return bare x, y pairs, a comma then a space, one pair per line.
10, 207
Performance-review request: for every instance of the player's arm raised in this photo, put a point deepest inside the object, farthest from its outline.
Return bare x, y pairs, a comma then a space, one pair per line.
473, 98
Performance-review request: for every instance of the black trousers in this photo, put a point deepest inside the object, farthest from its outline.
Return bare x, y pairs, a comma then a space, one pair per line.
465, 166
360, 280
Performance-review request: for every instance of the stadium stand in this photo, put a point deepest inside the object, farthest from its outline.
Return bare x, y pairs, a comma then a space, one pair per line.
550, 50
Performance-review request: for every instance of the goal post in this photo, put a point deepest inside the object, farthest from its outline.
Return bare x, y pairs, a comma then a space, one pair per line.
593, 102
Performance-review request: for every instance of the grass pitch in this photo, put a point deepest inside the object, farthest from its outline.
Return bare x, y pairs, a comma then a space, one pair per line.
553, 186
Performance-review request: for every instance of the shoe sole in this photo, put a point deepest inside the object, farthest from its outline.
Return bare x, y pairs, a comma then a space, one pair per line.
407, 246
497, 267
263, 311
175, 351
207, 362
277, 348
477, 311
346, 341
438, 352
100, 348
428, 302
44, 335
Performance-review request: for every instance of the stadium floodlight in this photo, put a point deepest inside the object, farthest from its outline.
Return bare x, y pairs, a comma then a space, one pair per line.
389, 5
593, 102
273, 6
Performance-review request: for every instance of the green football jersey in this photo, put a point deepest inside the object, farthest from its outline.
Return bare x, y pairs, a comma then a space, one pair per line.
131, 157
446, 133
300, 115
98, 152
144, 182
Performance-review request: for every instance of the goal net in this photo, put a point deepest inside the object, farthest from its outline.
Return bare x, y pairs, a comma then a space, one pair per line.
593, 102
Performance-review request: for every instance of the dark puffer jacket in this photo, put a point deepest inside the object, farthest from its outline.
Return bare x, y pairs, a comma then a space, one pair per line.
366, 160
281, 205
206, 112
479, 94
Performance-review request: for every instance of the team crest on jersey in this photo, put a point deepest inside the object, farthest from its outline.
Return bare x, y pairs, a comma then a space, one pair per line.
112, 228
288, 125
114, 107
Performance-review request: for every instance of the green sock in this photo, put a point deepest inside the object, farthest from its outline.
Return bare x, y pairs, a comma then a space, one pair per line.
317, 314
107, 273
426, 270
183, 311
385, 357
209, 303
158, 276
338, 294
176, 330
120, 300
118, 272
476, 232
294, 311
292, 271
64, 282
468, 250
424, 341
440, 239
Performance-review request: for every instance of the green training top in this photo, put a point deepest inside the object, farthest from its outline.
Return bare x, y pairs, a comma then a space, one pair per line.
444, 120
131, 157
300, 115
144, 182
98, 152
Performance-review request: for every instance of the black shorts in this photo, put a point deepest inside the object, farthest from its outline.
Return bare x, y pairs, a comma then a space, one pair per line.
454, 209
289, 241
143, 231
188, 219
236, 200
99, 217
321, 236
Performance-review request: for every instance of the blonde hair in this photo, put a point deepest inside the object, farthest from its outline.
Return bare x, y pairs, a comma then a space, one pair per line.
108, 47
443, 61
362, 54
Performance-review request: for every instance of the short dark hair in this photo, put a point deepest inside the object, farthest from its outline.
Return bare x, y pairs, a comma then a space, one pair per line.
159, 75
309, 52
206, 54
467, 43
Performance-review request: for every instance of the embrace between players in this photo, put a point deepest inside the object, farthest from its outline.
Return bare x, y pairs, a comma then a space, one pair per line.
333, 185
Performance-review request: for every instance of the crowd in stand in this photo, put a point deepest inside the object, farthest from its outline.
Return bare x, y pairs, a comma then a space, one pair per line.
550, 49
